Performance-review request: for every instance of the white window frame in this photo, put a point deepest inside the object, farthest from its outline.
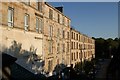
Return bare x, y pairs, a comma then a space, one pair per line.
10, 16
26, 22
39, 25
50, 31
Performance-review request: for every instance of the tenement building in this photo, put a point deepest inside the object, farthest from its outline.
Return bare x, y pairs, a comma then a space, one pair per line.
40, 36
22, 33
82, 47
56, 38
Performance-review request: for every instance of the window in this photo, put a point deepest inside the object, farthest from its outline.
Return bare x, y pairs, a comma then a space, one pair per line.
50, 46
77, 45
58, 32
10, 16
84, 46
50, 31
72, 35
63, 20
63, 47
58, 18
77, 55
63, 34
50, 14
68, 35
58, 47
50, 64
72, 56
39, 6
26, 23
79, 37
72, 45
67, 47
39, 25
76, 36
80, 55
27, 2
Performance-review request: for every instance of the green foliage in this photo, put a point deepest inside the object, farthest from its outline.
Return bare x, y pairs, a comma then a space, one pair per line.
78, 66
88, 65
58, 68
104, 48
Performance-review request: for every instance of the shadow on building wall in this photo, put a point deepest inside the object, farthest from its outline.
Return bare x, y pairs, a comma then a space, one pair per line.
27, 62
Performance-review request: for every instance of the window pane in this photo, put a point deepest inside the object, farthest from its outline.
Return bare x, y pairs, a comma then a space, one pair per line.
37, 4
50, 31
50, 14
37, 25
26, 21
40, 6
10, 16
40, 28
50, 46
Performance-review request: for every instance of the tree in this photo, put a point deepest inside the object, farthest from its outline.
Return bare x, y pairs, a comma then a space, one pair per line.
78, 67
104, 48
58, 68
88, 66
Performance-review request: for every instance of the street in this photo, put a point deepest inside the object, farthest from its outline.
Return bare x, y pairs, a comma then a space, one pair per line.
101, 74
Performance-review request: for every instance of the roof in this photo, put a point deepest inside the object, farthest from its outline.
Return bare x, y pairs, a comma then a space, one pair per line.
56, 9
7, 59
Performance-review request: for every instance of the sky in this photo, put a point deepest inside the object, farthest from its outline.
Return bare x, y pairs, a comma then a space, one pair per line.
95, 19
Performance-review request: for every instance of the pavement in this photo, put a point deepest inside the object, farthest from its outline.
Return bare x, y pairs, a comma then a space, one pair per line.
101, 74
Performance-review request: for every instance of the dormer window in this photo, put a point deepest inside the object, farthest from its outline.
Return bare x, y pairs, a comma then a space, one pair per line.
39, 5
